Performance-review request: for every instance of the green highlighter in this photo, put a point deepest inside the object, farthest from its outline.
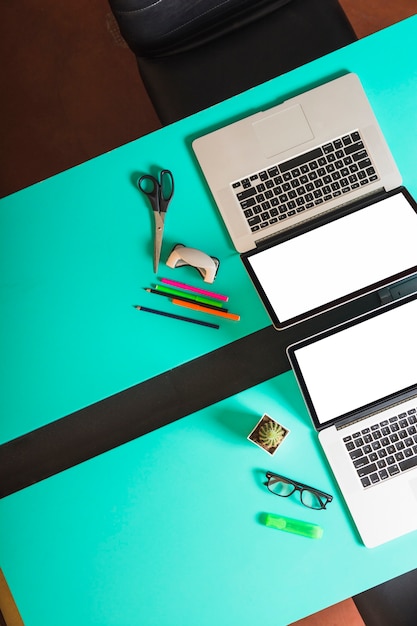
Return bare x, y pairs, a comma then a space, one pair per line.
289, 525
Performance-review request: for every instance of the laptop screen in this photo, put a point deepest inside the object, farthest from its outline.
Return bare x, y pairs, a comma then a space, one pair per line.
358, 364
302, 274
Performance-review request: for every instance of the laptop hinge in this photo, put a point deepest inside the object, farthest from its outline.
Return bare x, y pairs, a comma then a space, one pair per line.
382, 407
401, 289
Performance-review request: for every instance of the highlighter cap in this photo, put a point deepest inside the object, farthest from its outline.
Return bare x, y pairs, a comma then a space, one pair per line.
289, 525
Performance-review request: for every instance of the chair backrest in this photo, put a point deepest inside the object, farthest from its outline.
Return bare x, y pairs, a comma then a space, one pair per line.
192, 55
154, 29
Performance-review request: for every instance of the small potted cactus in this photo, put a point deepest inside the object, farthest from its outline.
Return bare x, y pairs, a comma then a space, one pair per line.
268, 434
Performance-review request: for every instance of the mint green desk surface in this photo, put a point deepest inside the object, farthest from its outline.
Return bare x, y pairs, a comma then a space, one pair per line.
75, 250
166, 531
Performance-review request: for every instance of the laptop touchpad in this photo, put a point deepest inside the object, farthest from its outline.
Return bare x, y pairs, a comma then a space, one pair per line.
283, 130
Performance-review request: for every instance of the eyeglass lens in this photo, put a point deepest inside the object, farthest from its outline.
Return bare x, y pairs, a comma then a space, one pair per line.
284, 489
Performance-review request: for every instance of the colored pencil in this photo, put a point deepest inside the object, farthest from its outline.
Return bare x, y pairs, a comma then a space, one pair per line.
138, 307
189, 294
203, 292
184, 299
204, 309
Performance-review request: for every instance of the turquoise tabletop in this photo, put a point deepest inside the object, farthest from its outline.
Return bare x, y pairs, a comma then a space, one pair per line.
168, 530
76, 254
76, 249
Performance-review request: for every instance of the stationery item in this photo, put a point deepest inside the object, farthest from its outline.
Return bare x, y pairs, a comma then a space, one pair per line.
183, 299
159, 193
204, 309
176, 317
205, 264
359, 382
289, 525
188, 294
203, 292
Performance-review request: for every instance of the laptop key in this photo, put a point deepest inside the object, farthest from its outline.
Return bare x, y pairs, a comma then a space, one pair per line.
368, 469
245, 204
408, 463
360, 461
247, 193
354, 147
393, 469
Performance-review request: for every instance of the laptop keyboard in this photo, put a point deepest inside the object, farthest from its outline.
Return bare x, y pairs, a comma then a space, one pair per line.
286, 189
384, 449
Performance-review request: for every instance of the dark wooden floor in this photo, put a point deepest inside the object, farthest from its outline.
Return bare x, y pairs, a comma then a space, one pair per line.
71, 91
70, 86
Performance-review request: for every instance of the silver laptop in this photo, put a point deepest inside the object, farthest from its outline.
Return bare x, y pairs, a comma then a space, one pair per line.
309, 155
311, 197
359, 382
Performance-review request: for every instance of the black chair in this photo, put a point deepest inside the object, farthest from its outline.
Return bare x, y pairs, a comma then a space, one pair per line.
192, 54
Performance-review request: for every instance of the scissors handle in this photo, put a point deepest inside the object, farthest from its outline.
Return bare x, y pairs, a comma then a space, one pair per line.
159, 192
150, 187
166, 189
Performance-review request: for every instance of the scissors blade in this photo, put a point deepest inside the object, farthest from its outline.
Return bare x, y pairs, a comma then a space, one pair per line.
159, 231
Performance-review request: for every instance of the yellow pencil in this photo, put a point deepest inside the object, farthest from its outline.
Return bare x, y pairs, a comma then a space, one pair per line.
204, 309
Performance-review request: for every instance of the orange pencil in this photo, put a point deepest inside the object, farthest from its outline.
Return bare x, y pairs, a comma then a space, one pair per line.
204, 309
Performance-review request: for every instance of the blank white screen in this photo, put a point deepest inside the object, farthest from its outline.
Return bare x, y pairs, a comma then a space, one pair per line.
361, 364
339, 258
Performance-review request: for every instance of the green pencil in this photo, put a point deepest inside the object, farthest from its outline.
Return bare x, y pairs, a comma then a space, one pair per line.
159, 292
177, 292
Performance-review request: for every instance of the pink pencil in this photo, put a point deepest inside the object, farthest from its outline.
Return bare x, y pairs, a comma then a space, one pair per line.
203, 292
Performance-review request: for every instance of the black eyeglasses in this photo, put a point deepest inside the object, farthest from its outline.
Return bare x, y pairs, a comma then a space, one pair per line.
309, 496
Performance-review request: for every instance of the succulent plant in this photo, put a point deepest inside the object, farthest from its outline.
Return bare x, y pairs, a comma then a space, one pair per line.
271, 434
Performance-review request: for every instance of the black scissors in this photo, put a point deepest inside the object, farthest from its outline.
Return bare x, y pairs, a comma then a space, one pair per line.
159, 193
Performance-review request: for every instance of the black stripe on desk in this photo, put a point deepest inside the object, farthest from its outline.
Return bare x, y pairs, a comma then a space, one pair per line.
156, 402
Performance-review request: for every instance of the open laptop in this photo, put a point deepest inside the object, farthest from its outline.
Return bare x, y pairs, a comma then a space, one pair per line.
359, 382
309, 155
304, 190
